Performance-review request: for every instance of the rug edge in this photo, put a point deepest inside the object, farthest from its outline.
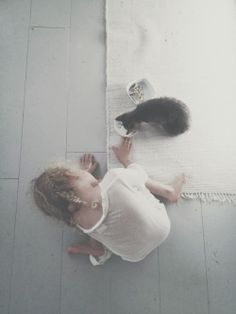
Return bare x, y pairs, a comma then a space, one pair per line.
210, 197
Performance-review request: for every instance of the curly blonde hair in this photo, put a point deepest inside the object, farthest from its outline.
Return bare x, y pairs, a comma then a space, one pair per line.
54, 194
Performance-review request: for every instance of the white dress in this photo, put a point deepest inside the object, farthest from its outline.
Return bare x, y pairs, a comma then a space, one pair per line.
134, 222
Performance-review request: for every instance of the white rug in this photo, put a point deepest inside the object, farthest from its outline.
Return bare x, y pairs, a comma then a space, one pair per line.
187, 49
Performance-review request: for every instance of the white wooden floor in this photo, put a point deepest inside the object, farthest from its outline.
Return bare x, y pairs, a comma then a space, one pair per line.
52, 89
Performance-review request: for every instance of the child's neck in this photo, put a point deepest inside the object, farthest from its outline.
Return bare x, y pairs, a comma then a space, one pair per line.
88, 216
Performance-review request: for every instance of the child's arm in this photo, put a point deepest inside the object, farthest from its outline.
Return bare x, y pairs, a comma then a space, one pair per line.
134, 173
171, 192
123, 151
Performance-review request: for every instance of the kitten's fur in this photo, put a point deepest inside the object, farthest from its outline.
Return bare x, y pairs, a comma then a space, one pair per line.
169, 114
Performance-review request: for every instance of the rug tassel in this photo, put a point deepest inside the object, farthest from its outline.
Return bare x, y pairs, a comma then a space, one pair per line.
209, 197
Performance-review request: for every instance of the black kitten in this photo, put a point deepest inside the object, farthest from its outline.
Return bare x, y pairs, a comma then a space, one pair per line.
169, 114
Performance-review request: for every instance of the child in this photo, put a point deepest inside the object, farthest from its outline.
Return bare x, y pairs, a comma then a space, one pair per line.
120, 214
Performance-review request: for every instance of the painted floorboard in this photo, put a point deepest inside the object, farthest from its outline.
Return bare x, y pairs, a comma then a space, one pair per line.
220, 239
50, 13
86, 112
8, 197
177, 278
182, 262
85, 288
14, 22
38, 239
135, 286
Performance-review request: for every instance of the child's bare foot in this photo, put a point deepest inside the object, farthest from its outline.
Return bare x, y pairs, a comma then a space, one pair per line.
88, 163
176, 188
85, 249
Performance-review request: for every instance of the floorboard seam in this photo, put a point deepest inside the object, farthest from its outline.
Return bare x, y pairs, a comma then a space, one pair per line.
205, 261
61, 269
110, 292
159, 281
66, 141
18, 184
13, 249
24, 100
68, 77
48, 27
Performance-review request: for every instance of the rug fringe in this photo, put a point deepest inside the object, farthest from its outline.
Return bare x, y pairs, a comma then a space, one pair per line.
209, 197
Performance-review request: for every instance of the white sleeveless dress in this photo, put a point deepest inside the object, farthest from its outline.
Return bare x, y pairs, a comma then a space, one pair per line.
134, 222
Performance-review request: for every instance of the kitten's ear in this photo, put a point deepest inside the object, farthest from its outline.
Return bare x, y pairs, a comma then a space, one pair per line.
121, 117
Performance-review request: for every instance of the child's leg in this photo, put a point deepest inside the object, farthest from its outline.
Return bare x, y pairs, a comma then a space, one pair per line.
92, 247
170, 192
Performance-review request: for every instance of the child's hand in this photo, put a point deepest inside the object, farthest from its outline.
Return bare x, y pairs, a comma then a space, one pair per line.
88, 163
123, 151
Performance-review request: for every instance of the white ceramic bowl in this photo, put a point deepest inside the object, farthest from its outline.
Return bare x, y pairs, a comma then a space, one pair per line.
140, 91
121, 130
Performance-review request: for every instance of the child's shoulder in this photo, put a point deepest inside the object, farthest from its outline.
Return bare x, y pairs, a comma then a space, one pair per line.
114, 172
111, 176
